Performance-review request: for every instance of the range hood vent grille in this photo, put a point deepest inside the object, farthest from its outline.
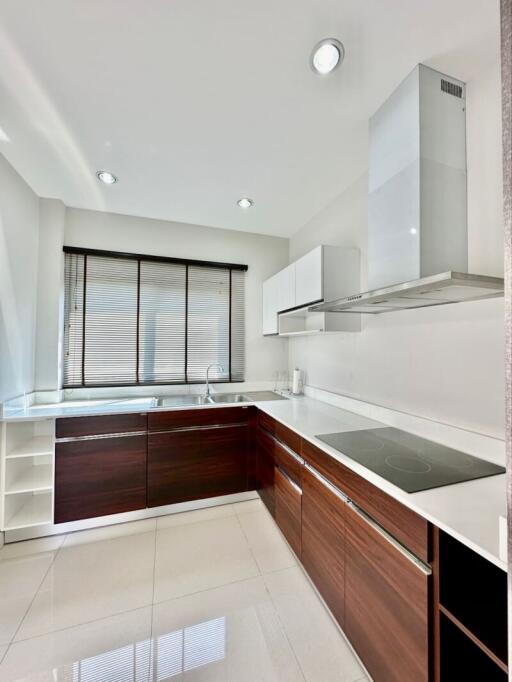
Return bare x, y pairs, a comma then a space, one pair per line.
451, 88
447, 287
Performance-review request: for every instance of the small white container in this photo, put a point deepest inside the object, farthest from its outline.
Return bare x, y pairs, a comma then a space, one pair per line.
297, 382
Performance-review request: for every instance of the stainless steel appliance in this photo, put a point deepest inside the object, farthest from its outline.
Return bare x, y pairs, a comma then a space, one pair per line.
417, 203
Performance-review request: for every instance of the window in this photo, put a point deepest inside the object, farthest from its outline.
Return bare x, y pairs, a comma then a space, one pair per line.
132, 320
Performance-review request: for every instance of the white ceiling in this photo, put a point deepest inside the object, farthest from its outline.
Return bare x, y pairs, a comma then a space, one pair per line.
195, 103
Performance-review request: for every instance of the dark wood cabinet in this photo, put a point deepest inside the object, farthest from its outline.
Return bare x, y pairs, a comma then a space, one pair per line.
323, 541
386, 604
409, 528
79, 427
265, 468
99, 476
198, 460
288, 508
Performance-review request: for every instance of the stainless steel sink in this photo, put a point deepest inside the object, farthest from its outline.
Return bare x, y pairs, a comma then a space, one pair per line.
192, 400
181, 400
229, 398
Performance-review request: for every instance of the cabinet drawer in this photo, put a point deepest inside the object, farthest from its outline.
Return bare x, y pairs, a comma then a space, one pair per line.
281, 454
323, 541
280, 431
386, 603
74, 427
209, 416
196, 464
288, 505
99, 477
265, 469
405, 525
289, 461
266, 422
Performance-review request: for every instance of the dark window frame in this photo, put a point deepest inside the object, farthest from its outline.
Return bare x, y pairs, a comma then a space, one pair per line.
159, 259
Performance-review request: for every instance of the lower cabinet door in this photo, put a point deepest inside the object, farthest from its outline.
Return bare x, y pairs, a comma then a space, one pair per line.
288, 506
386, 604
99, 477
323, 540
265, 470
196, 463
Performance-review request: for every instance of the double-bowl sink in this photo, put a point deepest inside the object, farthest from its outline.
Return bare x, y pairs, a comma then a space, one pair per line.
213, 399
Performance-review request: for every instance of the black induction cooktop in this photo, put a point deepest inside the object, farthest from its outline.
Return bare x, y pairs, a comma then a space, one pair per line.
409, 462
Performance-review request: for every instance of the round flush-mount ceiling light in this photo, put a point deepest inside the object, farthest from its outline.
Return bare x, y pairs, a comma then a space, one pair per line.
327, 55
245, 202
106, 177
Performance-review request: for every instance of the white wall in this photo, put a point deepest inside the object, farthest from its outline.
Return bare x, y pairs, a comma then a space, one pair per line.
264, 255
50, 290
445, 363
18, 282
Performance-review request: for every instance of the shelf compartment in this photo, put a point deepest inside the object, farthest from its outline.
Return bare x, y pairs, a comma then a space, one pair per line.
29, 439
25, 510
463, 659
35, 447
474, 592
301, 322
28, 474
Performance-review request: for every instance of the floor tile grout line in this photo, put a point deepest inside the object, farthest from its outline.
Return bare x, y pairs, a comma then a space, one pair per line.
209, 589
253, 555
283, 627
78, 625
151, 647
22, 620
138, 608
292, 649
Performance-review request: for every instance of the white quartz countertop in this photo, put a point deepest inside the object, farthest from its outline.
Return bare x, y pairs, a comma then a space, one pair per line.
468, 511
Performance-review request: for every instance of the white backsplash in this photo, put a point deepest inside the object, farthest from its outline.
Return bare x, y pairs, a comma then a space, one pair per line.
478, 444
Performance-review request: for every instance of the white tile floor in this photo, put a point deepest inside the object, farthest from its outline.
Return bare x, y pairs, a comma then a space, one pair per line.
213, 595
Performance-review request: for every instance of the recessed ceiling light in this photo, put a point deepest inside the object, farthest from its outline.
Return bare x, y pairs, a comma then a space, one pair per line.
327, 55
245, 202
106, 177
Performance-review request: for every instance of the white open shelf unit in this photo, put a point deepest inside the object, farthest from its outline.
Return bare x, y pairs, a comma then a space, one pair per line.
301, 322
27, 473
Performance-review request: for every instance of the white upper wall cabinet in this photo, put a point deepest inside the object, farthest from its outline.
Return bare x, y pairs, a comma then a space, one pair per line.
270, 305
325, 273
309, 272
287, 287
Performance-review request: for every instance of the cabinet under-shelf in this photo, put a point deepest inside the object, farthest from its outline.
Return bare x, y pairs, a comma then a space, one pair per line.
29, 478
25, 510
27, 475
33, 447
471, 612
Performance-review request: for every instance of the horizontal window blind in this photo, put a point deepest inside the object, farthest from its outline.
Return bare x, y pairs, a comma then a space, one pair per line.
135, 320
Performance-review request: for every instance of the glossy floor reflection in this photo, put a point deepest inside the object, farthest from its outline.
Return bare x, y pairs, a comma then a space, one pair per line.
207, 596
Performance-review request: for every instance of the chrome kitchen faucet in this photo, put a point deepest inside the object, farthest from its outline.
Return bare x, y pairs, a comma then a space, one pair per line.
214, 364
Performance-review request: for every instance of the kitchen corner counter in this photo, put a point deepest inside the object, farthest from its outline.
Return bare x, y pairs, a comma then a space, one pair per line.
468, 511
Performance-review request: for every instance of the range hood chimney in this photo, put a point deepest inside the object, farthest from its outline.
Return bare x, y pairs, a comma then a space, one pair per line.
417, 203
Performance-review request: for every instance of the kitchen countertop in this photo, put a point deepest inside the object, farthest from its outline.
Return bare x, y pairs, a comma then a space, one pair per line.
468, 511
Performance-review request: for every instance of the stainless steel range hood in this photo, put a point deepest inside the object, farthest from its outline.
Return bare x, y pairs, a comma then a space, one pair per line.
417, 203
447, 287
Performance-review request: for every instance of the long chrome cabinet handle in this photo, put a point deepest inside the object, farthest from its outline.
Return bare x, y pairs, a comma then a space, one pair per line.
423, 567
287, 449
101, 436
334, 490
202, 427
292, 483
